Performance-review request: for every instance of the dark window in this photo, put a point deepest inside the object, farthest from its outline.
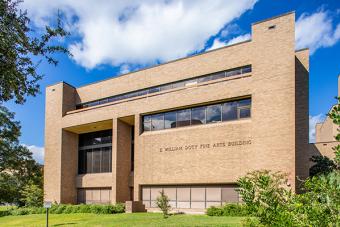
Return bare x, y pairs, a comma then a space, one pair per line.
154, 89
106, 160
157, 122
178, 84
217, 76
147, 123
88, 161
170, 120
246, 69
214, 113
95, 152
96, 160
183, 118
244, 102
244, 112
82, 162
204, 79
198, 115
229, 111
166, 87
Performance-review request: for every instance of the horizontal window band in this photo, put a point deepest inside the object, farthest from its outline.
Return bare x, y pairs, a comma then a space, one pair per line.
169, 86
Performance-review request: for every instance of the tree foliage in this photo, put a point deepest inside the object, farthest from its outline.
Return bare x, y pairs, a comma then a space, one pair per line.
21, 51
162, 202
18, 45
335, 116
268, 198
323, 165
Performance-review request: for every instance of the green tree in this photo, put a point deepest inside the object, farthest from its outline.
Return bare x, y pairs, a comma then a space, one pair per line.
335, 116
323, 165
32, 195
19, 45
162, 202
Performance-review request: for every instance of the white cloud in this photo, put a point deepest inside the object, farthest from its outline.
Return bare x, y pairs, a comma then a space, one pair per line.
125, 68
239, 39
138, 32
313, 120
218, 43
316, 31
38, 153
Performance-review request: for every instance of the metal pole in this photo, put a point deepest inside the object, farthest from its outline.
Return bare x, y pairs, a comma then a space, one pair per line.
46, 217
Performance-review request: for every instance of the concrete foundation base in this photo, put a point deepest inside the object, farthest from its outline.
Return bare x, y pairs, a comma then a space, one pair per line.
134, 206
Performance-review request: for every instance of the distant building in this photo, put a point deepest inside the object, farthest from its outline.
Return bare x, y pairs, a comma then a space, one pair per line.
191, 127
325, 134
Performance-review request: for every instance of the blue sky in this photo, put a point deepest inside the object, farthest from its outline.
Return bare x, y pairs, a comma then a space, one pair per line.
109, 38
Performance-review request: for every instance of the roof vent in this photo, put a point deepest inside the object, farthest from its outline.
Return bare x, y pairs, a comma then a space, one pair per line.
271, 27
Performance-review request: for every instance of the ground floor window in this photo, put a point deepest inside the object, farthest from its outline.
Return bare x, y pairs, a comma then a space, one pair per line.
94, 195
189, 196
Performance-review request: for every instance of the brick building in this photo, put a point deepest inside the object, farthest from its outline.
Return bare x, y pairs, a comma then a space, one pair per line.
191, 126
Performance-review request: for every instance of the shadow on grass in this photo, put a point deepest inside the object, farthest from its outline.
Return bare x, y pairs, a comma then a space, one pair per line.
69, 223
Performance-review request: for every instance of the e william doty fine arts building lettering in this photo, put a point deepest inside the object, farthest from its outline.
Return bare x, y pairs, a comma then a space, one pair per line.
190, 127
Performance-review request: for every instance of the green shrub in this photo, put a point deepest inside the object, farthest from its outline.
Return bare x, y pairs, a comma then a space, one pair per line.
5, 213
215, 211
119, 208
230, 209
84, 208
20, 211
66, 209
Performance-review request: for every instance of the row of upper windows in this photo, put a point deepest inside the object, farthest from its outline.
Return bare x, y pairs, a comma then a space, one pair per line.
164, 87
226, 111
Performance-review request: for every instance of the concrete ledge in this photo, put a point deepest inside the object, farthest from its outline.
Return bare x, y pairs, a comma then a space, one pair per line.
134, 206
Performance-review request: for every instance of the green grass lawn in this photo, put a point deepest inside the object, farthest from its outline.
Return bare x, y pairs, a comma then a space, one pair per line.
136, 219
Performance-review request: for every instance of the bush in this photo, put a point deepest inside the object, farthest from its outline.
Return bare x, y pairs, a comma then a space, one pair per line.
267, 197
162, 202
119, 208
231, 209
5, 213
67, 209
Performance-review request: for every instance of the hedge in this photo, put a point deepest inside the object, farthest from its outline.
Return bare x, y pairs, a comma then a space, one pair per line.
66, 209
229, 209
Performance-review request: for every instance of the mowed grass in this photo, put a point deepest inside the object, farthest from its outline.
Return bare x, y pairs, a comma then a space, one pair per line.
135, 219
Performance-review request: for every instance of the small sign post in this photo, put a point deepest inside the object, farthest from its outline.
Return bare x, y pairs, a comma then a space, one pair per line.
47, 205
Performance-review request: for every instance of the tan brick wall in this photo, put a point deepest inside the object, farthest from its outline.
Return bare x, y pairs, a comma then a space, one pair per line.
272, 128
301, 115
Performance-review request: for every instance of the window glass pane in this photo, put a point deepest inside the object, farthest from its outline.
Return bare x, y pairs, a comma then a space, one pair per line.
233, 72
82, 162
214, 113
147, 118
178, 84
229, 111
166, 87
170, 120
96, 160
244, 102
198, 115
244, 112
183, 118
142, 92
154, 89
147, 126
217, 76
190, 82
106, 160
89, 161
157, 122
204, 79
246, 69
